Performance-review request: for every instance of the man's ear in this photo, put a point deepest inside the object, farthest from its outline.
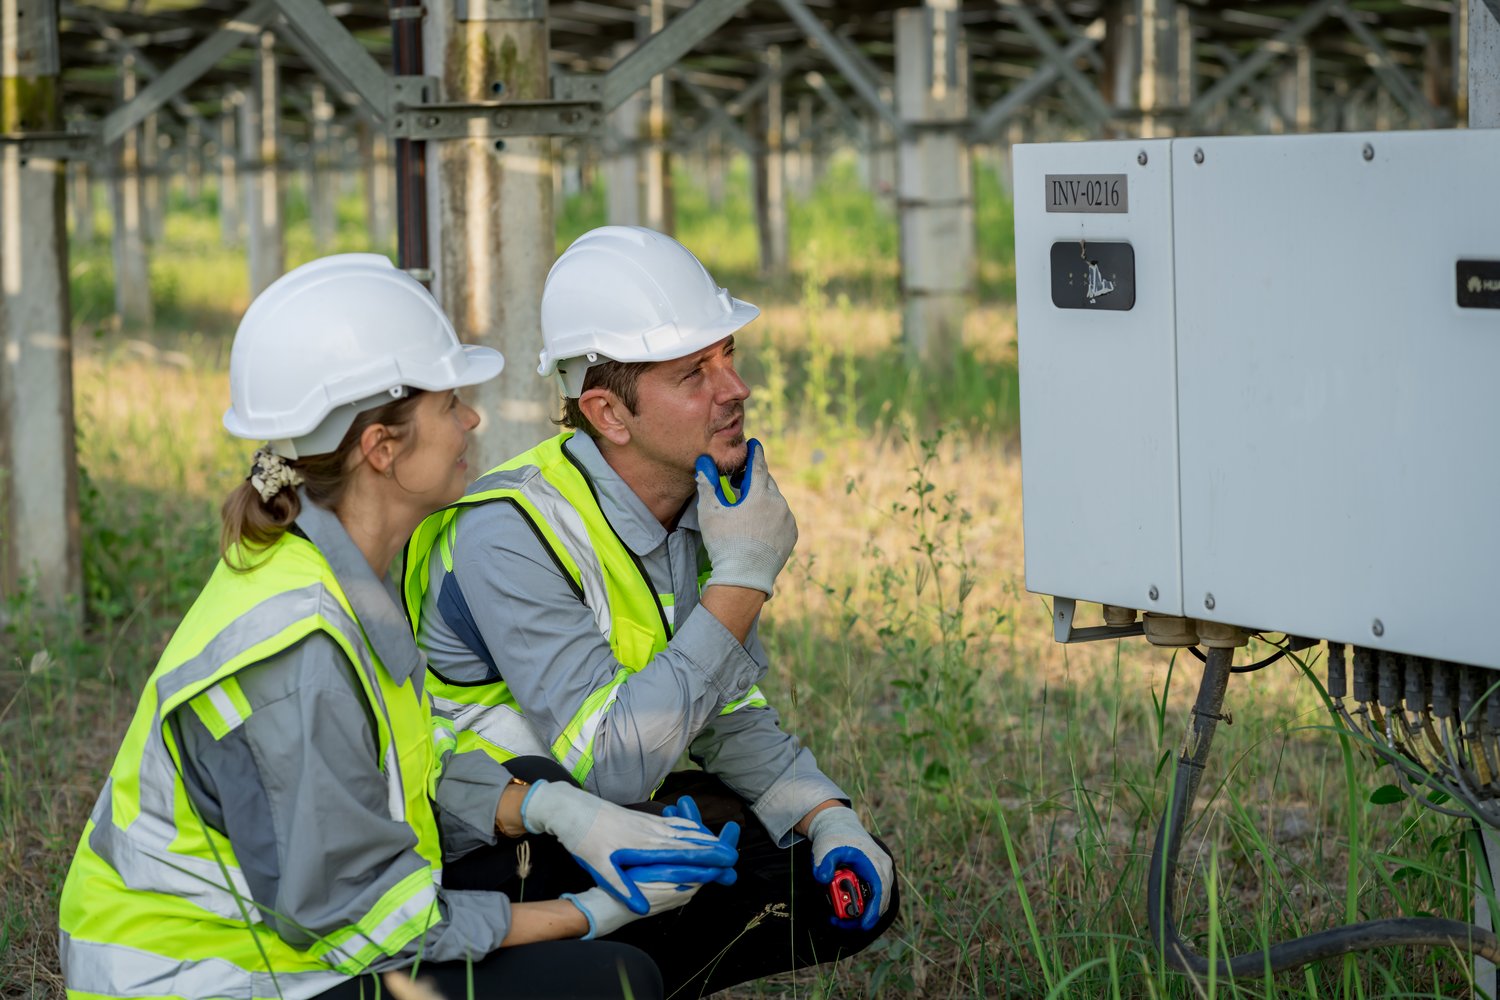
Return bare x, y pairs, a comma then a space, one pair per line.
604, 410
378, 448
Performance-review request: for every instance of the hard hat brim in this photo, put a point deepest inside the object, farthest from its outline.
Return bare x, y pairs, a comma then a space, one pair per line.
473, 364
668, 349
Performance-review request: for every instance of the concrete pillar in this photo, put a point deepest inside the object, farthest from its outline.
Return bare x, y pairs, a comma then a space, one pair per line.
1121, 55
230, 224
132, 263
490, 216
770, 173
935, 200
39, 546
260, 141
81, 200
380, 186
322, 199
1158, 65
153, 187
1483, 65
659, 210
880, 155
622, 164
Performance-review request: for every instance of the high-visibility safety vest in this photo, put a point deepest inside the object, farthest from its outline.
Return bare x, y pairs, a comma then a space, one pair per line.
155, 903
551, 490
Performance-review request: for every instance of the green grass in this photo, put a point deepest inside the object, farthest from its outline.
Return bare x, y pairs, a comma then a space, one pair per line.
1019, 782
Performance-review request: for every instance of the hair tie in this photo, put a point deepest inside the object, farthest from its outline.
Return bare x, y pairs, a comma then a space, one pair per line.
269, 473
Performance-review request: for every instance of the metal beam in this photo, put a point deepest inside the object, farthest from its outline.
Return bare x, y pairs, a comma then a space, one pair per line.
838, 53
845, 115
1264, 55
1041, 78
758, 88
147, 68
340, 86
1385, 67
186, 70
663, 49
1093, 103
716, 112
335, 54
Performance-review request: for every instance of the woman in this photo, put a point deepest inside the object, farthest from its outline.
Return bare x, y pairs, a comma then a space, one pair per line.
277, 819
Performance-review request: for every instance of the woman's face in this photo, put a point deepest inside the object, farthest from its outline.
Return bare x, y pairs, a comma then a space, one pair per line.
432, 466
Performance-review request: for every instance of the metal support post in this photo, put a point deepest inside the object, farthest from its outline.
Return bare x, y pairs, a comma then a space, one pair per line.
322, 199
153, 203
491, 220
622, 161
230, 225
658, 164
260, 138
193, 164
770, 192
81, 200
935, 200
132, 267
39, 536
380, 186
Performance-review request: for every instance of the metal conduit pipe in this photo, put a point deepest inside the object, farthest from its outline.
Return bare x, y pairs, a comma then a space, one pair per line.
1339, 941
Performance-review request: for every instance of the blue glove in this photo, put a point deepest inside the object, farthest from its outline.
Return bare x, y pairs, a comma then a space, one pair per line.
607, 839
747, 541
730, 835
840, 841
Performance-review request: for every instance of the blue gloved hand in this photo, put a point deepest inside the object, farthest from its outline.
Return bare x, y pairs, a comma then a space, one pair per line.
663, 887
607, 839
840, 841
730, 835
748, 541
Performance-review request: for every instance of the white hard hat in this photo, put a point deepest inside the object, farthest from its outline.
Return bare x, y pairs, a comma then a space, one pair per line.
334, 338
625, 293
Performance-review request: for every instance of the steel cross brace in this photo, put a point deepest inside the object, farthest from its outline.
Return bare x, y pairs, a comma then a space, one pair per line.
1264, 55
1041, 78
1093, 103
1385, 67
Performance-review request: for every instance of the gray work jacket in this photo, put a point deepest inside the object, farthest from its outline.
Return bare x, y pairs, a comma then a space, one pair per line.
529, 626
297, 786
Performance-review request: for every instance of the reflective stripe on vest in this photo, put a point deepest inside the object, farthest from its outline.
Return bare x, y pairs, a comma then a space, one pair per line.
555, 496
155, 903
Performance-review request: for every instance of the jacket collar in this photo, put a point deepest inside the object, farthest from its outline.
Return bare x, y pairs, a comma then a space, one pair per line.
374, 601
627, 513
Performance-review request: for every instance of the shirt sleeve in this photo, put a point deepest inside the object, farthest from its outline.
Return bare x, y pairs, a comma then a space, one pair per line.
297, 788
764, 764
620, 733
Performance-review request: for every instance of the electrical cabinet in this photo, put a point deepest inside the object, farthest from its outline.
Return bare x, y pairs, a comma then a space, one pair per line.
1260, 382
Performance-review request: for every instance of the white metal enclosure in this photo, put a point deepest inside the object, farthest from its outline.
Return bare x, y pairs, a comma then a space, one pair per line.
1296, 427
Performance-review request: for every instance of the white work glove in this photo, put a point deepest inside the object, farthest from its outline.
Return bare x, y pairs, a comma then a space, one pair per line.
749, 540
658, 885
606, 839
840, 841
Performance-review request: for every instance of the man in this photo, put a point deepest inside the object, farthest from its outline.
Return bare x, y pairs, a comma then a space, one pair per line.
596, 599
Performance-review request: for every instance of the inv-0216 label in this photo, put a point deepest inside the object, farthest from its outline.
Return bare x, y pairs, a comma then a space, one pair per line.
1088, 193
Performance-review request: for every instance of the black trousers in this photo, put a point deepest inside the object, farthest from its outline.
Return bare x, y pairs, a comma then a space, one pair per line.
547, 970
775, 918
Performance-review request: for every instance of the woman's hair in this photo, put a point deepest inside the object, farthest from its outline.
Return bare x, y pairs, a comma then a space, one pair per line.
254, 523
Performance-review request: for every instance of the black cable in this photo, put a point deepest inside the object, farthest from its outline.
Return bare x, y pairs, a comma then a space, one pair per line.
1180, 955
1249, 667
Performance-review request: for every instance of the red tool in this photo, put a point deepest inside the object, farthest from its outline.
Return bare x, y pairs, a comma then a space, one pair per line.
848, 892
